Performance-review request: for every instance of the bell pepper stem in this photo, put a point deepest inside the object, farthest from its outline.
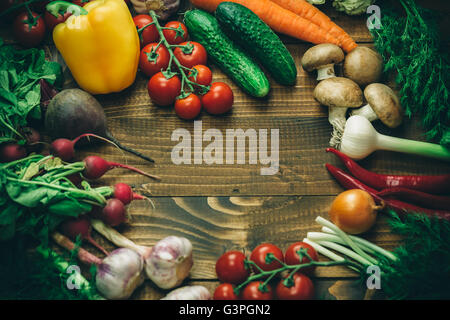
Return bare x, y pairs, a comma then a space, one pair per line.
56, 7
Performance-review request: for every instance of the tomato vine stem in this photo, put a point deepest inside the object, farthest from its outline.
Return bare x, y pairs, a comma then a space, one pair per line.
288, 282
173, 59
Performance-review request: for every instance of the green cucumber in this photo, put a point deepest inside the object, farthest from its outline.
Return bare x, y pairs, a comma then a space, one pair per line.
256, 37
243, 70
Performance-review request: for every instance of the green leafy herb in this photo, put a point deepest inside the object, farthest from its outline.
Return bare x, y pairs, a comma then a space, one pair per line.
410, 47
38, 274
20, 91
422, 270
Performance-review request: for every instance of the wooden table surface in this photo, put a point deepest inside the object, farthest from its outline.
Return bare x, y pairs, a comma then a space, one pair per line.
223, 207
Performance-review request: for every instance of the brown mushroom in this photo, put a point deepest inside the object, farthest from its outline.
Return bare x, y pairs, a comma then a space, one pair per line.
338, 94
363, 65
383, 104
322, 58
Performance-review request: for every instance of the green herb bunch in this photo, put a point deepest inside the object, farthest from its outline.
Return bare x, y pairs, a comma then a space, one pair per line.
422, 270
36, 196
20, 91
410, 47
40, 274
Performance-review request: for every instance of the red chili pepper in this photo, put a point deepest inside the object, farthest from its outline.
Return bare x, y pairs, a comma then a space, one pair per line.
349, 182
437, 184
418, 197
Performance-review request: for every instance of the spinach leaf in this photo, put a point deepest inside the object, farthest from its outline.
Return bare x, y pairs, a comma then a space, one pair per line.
20, 90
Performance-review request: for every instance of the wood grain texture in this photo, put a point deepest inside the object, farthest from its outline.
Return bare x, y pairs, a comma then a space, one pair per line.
218, 224
215, 225
223, 207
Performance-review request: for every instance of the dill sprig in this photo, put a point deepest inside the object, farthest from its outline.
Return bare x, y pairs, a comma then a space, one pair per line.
410, 47
26, 274
422, 270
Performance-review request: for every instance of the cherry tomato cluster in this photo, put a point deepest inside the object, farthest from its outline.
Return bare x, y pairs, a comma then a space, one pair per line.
31, 22
267, 274
177, 70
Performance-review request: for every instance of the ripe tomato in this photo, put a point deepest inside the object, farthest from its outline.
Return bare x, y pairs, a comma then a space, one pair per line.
219, 98
26, 33
191, 55
291, 257
302, 289
152, 61
188, 108
252, 292
259, 256
175, 36
203, 77
225, 292
162, 91
51, 21
230, 267
149, 34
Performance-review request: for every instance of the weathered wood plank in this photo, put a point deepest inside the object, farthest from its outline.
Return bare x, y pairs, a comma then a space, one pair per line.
218, 224
302, 156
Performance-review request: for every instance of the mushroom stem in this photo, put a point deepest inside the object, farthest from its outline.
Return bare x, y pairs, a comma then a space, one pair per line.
325, 72
336, 117
366, 112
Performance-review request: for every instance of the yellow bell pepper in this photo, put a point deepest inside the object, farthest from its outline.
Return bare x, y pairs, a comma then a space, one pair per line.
99, 43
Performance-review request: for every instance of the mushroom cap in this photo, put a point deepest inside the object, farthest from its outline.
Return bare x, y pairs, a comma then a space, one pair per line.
339, 92
363, 65
385, 103
321, 55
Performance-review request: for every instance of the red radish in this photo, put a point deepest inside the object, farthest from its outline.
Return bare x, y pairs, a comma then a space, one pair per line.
124, 193
11, 151
114, 213
80, 226
95, 167
65, 148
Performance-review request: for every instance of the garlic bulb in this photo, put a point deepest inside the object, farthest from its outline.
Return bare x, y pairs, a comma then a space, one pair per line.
163, 8
120, 274
189, 293
169, 262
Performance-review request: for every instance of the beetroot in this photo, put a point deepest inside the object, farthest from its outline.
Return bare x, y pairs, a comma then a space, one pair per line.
73, 112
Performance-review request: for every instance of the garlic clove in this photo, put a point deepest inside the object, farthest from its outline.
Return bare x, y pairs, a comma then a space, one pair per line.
120, 274
169, 262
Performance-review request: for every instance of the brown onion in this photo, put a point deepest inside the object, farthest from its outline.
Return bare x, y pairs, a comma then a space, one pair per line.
354, 211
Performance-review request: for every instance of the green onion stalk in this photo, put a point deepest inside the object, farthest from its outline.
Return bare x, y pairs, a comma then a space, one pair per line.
418, 269
360, 139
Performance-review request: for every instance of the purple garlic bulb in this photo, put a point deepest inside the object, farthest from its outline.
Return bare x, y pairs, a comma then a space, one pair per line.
120, 273
169, 262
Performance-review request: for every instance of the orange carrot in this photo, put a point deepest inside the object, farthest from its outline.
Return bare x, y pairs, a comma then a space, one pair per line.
279, 19
306, 10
